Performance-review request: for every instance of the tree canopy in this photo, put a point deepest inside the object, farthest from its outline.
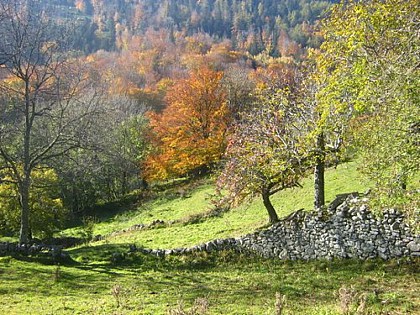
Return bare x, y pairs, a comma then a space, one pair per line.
369, 71
190, 133
267, 149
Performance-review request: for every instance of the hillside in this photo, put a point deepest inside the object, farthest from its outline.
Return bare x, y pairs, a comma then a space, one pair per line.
156, 157
101, 280
253, 26
177, 211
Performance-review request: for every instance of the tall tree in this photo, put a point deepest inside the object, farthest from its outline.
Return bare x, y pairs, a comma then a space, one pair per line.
190, 133
369, 70
43, 115
326, 139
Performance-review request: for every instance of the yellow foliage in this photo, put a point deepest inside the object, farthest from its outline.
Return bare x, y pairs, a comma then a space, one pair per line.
47, 210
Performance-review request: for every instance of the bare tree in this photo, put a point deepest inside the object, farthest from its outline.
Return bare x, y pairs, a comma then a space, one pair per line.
46, 103
111, 166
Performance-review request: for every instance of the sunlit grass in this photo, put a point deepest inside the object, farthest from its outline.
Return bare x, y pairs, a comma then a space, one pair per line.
232, 284
95, 283
239, 221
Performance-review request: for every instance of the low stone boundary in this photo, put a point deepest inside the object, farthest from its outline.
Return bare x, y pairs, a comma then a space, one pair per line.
346, 229
53, 251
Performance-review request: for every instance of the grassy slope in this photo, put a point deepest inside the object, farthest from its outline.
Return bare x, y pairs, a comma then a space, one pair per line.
231, 284
239, 221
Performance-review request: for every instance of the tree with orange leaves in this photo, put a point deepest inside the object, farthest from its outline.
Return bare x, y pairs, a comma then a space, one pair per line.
189, 135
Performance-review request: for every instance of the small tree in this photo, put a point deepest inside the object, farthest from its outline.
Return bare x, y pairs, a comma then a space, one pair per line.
266, 151
47, 209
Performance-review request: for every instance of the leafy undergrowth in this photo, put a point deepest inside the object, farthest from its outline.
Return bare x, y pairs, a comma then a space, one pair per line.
228, 283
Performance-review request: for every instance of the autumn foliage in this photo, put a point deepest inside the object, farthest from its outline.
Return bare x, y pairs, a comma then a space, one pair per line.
190, 133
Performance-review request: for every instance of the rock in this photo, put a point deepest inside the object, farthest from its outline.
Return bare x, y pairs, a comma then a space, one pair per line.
117, 257
133, 248
395, 226
97, 238
413, 246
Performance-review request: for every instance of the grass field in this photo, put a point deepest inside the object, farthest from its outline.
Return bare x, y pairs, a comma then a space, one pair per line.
230, 284
222, 283
242, 220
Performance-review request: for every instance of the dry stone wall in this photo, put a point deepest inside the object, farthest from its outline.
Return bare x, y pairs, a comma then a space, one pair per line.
346, 229
54, 251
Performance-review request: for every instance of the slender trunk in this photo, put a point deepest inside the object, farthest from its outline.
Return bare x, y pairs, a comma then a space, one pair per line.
319, 181
124, 184
24, 189
75, 198
272, 214
25, 185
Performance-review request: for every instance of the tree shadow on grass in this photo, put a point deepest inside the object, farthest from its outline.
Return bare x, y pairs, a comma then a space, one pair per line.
222, 277
107, 211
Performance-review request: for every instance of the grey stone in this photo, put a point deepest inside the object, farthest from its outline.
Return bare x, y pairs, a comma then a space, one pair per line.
348, 231
413, 246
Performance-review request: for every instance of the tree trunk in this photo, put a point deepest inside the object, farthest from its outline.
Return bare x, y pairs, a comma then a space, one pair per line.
24, 216
319, 181
272, 214
124, 184
25, 185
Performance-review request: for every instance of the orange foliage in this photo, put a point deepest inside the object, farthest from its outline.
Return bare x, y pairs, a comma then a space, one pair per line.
80, 5
190, 132
277, 75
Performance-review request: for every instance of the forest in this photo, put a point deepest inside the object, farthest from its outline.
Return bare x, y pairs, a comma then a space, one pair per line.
103, 98
209, 157
253, 26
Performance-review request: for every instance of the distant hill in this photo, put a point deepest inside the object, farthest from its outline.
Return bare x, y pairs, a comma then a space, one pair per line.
251, 25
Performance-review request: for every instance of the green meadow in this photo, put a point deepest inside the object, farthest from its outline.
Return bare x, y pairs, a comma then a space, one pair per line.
92, 282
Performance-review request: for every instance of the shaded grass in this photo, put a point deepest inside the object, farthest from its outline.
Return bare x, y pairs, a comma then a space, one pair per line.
233, 284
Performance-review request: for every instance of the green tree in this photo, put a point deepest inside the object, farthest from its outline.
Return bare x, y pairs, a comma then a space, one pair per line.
47, 211
42, 112
266, 151
369, 71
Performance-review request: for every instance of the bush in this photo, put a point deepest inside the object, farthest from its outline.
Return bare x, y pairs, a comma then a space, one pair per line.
47, 211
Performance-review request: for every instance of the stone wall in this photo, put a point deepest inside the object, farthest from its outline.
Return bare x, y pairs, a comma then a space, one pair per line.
346, 229
54, 251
